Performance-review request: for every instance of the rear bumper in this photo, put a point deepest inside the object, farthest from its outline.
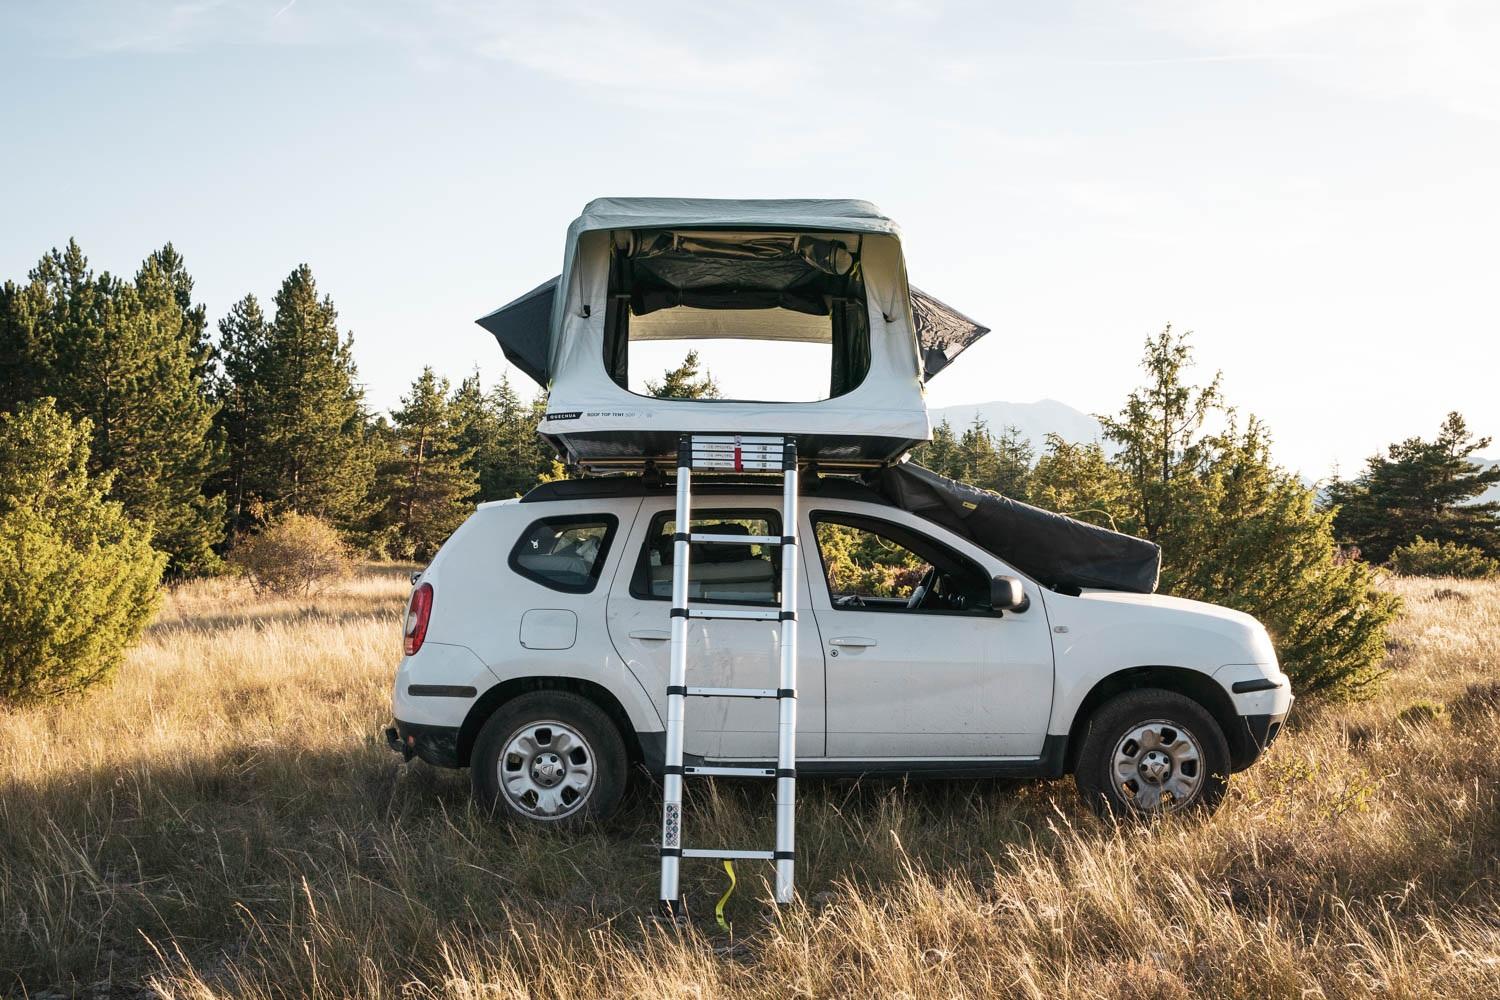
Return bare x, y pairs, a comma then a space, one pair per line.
437, 745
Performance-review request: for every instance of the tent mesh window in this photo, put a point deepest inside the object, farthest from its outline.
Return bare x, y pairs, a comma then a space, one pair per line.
782, 287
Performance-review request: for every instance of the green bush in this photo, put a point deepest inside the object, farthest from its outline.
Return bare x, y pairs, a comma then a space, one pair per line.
1235, 528
295, 555
1424, 558
78, 580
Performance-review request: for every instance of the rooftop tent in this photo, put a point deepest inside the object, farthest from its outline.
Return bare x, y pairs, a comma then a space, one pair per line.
654, 269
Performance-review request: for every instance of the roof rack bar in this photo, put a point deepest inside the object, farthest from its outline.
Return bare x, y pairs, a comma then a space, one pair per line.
667, 464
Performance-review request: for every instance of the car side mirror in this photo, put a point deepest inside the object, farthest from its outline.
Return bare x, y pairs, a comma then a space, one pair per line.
1007, 594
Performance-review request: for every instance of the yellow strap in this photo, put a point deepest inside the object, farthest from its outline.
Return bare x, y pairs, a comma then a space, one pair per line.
719, 910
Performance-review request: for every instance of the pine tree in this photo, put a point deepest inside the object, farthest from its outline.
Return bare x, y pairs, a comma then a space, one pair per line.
427, 483
942, 454
243, 335
80, 578
477, 432
1423, 489
977, 460
980, 458
498, 431
181, 428
685, 382
1079, 480
194, 317
22, 359
1159, 436
1000, 463
310, 455
1014, 458
120, 355
1237, 530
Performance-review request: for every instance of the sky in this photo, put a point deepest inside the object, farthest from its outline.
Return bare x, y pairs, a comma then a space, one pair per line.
1312, 187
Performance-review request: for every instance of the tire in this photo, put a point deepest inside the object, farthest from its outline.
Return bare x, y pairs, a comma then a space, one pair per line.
1150, 752
563, 759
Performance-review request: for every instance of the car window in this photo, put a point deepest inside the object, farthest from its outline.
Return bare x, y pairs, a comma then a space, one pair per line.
872, 565
734, 573
564, 553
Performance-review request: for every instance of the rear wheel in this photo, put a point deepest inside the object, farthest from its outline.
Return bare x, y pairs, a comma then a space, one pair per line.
1150, 752
549, 757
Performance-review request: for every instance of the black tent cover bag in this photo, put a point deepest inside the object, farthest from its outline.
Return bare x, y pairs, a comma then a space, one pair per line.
1056, 550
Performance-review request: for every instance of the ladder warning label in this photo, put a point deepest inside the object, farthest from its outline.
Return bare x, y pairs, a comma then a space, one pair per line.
671, 825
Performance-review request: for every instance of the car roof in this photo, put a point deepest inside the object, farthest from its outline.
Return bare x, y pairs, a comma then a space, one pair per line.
611, 487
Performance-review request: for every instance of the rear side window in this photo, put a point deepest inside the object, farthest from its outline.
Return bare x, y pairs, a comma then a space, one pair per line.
565, 553
722, 573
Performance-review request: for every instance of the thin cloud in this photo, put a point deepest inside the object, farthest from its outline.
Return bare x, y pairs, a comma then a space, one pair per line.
1442, 51
1230, 57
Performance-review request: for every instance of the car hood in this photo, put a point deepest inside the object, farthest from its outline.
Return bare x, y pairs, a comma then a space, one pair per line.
1246, 634
1180, 605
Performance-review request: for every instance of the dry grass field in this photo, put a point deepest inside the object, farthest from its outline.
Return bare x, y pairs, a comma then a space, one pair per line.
225, 821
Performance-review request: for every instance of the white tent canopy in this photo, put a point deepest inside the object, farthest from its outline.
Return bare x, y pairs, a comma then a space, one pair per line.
649, 269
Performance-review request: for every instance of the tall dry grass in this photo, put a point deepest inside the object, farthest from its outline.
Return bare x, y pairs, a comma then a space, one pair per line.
225, 821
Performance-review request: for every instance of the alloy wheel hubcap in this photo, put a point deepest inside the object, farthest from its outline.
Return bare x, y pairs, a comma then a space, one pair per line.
1157, 766
547, 770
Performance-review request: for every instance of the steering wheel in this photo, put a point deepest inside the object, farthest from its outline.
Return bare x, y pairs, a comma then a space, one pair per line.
920, 590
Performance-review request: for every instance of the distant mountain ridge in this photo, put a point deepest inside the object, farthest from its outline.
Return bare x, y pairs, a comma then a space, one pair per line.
1034, 421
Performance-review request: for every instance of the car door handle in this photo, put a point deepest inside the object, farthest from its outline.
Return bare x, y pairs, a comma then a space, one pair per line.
658, 634
852, 640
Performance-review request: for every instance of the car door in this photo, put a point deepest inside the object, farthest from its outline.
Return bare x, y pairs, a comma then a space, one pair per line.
721, 652
918, 665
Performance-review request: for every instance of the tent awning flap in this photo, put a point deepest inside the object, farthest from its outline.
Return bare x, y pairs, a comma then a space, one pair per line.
1057, 550
524, 330
942, 331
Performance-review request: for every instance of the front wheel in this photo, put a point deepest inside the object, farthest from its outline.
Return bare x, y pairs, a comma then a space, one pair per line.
549, 757
1149, 752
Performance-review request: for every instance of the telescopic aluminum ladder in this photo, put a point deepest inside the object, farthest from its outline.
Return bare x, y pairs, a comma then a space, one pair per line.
732, 453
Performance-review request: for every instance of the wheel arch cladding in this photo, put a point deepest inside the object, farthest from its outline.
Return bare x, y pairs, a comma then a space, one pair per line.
493, 698
1192, 684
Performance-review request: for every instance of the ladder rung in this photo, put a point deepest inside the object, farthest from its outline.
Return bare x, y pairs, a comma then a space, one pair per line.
732, 772
711, 539
730, 440
714, 852
754, 616
711, 692
745, 464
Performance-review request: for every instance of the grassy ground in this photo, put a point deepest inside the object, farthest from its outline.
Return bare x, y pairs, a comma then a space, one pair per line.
225, 821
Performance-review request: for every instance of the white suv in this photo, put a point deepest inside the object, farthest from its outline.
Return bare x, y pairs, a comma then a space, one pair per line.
537, 648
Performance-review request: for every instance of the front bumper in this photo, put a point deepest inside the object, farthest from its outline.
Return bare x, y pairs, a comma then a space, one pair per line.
437, 745
1254, 737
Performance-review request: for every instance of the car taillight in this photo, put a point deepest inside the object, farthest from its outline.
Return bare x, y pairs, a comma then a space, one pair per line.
418, 610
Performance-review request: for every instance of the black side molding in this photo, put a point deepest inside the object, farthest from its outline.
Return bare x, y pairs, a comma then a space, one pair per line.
1051, 763
440, 691
1258, 684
